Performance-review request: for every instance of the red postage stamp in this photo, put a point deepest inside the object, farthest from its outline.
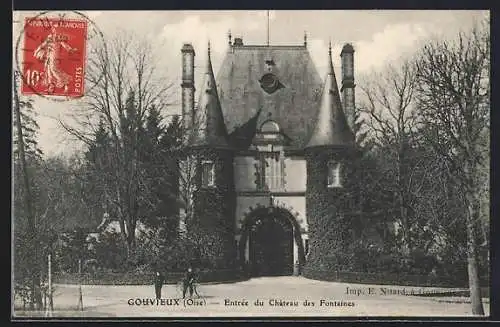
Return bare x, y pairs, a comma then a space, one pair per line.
54, 57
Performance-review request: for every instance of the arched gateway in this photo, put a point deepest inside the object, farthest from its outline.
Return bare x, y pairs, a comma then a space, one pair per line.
271, 242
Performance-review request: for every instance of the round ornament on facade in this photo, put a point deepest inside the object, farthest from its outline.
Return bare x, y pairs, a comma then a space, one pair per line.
270, 83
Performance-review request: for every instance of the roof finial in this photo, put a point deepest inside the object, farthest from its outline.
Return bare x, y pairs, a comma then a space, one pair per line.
209, 48
229, 37
330, 60
268, 28
305, 38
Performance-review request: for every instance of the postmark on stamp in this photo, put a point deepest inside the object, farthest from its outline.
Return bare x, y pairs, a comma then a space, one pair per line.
51, 52
54, 56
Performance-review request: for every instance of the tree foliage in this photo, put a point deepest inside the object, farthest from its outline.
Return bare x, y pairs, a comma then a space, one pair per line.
129, 94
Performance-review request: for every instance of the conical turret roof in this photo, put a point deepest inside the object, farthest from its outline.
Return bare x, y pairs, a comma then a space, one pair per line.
331, 127
209, 129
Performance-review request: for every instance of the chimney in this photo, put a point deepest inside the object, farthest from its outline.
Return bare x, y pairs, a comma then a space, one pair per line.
347, 90
187, 85
238, 42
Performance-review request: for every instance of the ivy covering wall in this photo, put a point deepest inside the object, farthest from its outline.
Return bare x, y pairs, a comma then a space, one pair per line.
212, 224
329, 214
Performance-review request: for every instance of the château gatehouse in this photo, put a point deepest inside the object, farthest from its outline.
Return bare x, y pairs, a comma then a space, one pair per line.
274, 148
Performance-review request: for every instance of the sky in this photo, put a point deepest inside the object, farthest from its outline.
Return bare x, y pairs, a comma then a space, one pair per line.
378, 36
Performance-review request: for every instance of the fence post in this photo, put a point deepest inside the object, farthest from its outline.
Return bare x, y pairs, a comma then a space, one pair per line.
80, 297
50, 307
51, 289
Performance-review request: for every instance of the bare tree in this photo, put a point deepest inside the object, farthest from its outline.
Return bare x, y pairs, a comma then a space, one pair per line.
31, 224
187, 187
42, 203
453, 97
389, 116
55, 203
126, 85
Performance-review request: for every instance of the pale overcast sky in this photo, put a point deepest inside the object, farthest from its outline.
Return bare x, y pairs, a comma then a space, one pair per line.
378, 36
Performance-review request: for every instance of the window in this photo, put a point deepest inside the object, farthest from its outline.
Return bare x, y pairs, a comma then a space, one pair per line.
207, 174
270, 171
334, 174
306, 246
269, 126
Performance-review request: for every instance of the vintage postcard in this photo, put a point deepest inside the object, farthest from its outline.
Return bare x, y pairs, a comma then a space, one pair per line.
248, 164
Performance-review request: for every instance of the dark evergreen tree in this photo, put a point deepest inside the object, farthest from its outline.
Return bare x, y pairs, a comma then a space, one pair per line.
95, 176
30, 130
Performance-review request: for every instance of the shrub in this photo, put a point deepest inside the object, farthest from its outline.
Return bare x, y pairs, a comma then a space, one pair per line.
146, 278
111, 252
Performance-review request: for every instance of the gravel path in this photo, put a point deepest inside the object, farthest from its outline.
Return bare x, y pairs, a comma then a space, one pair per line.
277, 296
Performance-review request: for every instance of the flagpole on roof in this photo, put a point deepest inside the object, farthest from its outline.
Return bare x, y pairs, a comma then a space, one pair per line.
268, 28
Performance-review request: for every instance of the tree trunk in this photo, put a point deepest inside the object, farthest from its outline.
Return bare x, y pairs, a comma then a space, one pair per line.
36, 295
406, 250
129, 251
472, 255
130, 239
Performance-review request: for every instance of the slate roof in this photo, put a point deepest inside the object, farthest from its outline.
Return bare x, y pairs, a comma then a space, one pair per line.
331, 128
294, 107
209, 129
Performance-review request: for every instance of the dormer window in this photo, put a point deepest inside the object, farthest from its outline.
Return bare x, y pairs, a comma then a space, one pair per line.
208, 174
270, 126
334, 175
